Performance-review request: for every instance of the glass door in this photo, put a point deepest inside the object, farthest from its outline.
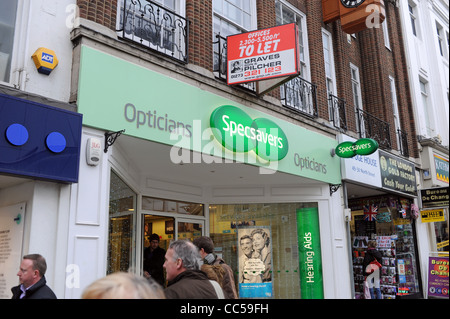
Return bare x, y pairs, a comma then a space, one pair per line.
122, 208
163, 226
166, 220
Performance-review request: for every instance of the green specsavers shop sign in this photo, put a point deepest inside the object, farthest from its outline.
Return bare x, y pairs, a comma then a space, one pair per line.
115, 94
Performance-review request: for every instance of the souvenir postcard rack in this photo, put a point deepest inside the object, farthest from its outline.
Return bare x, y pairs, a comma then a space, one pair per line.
393, 230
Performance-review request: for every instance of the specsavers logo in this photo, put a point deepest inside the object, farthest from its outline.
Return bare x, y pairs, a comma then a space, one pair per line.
238, 132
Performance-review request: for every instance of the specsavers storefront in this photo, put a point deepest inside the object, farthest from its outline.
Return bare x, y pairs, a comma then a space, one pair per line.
192, 160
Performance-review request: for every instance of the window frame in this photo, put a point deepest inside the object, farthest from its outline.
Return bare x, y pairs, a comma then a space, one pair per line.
414, 20
305, 63
10, 57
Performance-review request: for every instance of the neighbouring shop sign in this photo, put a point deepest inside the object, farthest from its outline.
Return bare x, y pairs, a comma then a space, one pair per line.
432, 215
442, 168
364, 146
438, 274
38, 140
262, 54
310, 260
397, 174
354, 15
198, 120
435, 197
362, 169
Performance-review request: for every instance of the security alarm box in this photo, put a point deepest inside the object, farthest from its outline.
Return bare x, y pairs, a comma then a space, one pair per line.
93, 151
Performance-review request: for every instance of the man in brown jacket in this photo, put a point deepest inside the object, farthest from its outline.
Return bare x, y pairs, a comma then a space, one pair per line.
185, 279
206, 248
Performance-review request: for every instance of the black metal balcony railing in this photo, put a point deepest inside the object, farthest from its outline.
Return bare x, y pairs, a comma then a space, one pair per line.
156, 27
300, 95
403, 143
337, 112
220, 61
372, 127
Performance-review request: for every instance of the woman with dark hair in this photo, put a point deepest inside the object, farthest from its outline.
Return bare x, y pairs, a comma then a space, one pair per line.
371, 268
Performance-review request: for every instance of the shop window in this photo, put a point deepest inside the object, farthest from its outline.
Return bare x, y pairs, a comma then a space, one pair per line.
122, 217
236, 229
389, 221
8, 11
441, 233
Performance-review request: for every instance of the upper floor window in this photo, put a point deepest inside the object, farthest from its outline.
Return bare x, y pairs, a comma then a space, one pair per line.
441, 40
159, 24
8, 11
230, 17
412, 7
387, 41
424, 88
285, 14
298, 93
329, 62
356, 87
395, 105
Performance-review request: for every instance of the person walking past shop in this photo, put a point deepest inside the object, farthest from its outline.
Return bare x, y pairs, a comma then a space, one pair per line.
206, 249
123, 285
372, 269
185, 279
32, 280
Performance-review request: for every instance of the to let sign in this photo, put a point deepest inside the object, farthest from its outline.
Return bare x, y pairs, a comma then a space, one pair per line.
262, 54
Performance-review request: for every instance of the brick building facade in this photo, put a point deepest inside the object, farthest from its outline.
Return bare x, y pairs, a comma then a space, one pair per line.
149, 78
366, 50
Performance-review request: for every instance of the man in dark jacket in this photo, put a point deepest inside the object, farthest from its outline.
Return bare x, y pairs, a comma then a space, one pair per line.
185, 280
32, 281
154, 260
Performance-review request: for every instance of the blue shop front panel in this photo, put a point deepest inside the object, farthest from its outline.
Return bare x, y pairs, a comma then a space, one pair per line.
39, 141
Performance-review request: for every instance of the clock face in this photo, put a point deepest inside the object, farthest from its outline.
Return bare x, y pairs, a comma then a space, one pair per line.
352, 3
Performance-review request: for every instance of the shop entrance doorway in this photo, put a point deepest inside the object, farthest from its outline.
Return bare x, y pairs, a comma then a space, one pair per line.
169, 228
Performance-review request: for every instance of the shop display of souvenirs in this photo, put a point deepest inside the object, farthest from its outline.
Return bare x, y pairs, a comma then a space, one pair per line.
389, 222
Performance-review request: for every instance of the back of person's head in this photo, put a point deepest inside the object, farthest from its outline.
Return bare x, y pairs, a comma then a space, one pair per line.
187, 252
39, 263
122, 285
204, 242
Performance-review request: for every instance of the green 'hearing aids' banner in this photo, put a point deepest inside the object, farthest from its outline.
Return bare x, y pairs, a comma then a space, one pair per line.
311, 280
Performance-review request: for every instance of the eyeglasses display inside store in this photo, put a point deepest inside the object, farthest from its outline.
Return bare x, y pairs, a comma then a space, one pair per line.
388, 220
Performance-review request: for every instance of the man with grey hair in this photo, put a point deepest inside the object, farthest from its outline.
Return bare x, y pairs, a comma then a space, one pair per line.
185, 279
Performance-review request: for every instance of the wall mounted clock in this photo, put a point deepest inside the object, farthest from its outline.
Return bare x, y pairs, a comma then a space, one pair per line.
352, 3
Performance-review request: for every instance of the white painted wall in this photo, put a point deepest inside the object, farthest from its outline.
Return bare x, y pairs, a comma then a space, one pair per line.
424, 60
43, 23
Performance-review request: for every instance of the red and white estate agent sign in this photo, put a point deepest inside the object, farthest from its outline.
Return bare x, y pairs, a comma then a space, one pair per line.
263, 54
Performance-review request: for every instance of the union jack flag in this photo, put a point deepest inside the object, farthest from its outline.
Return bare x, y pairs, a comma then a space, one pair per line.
370, 213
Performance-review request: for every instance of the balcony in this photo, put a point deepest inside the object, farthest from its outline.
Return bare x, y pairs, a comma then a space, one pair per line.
374, 128
300, 95
337, 112
220, 62
156, 27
